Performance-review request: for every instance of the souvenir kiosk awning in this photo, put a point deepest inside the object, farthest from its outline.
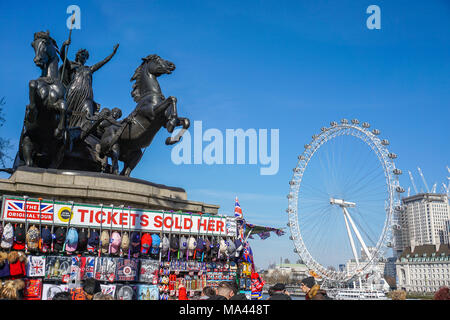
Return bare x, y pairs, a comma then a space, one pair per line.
262, 231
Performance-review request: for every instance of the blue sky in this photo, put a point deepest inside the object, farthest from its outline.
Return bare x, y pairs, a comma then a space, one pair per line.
289, 65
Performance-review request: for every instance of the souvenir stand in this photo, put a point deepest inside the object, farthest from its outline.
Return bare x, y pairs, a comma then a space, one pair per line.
249, 281
136, 254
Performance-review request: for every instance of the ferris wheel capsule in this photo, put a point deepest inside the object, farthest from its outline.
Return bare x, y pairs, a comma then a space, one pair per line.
292, 183
376, 132
323, 129
296, 169
301, 157
400, 189
295, 250
392, 155
366, 125
344, 121
385, 142
333, 123
397, 171
314, 136
355, 121
288, 224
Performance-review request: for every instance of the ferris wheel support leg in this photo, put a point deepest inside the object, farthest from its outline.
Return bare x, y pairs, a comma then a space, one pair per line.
358, 235
352, 243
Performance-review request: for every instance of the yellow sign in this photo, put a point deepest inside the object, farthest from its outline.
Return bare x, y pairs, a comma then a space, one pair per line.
65, 214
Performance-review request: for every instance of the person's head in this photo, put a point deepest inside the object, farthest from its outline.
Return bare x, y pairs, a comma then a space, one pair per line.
442, 294
102, 296
307, 283
208, 291
81, 56
62, 296
116, 113
225, 289
239, 296
278, 288
91, 287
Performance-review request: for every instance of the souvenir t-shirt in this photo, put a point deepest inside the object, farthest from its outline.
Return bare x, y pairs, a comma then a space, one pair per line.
35, 266
33, 289
105, 269
49, 290
147, 292
147, 270
127, 269
125, 292
57, 268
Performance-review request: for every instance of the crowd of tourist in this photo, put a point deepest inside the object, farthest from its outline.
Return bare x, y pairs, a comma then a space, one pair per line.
226, 290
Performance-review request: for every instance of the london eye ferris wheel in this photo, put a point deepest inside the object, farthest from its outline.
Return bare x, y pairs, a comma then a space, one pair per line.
343, 201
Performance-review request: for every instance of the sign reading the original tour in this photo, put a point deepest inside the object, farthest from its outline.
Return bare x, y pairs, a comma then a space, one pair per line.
109, 217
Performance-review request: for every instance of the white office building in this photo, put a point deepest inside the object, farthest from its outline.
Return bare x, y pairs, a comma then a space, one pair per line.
425, 220
424, 269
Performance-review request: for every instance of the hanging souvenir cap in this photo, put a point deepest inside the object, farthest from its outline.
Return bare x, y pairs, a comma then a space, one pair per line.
223, 246
71, 240
200, 245
19, 238
165, 245
146, 243
207, 244
104, 238
230, 247
7, 237
93, 241
60, 236
135, 244
174, 243
183, 243
46, 240
156, 241
82, 240
192, 244
33, 238
125, 241
115, 242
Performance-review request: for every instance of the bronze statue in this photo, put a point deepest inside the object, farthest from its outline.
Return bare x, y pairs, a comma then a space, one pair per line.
65, 129
42, 138
77, 78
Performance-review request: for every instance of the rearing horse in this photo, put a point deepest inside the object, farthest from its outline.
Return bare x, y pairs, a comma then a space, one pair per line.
42, 138
152, 112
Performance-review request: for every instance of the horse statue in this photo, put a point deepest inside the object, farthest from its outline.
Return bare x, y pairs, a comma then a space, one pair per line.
42, 141
153, 111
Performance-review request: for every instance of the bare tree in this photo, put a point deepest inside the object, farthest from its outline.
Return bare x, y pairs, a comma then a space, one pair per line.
5, 144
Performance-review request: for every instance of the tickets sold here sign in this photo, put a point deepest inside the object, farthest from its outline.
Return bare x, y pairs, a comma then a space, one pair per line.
118, 218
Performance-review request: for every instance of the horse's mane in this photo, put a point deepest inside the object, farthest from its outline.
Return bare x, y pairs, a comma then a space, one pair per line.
136, 91
45, 35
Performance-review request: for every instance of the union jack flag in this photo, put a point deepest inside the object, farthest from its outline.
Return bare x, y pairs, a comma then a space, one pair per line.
264, 235
18, 205
237, 210
247, 253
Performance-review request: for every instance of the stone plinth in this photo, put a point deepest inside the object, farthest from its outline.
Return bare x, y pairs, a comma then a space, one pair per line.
95, 188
